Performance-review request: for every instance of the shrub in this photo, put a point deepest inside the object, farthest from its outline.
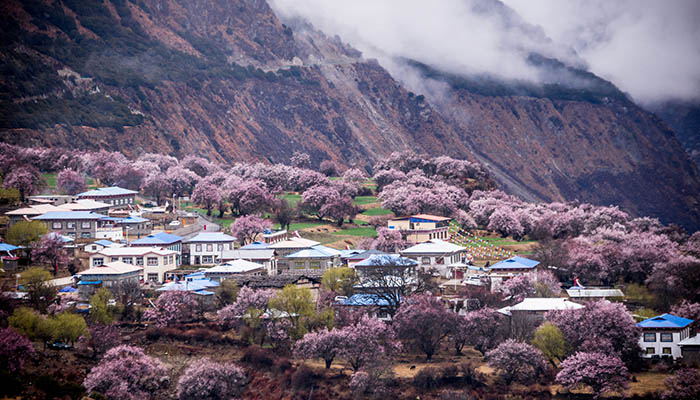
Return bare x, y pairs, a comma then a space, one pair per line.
359, 383
427, 378
303, 377
206, 379
258, 357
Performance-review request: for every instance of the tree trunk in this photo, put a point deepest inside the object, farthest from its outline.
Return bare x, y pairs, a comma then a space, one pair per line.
328, 363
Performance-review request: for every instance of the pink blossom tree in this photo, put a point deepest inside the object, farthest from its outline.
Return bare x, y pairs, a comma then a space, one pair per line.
70, 182
517, 361
322, 344
157, 186
102, 338
210, 380
600, 325
172, 307
25, 178
248, 196
249, 227
389, 240
423, 322
163, 161
181, 180
539, 283
128, 175
679, 278
126, 372
101, 165
338, 209
386, 177
198, 165
49, 250
206, 194
604, 373
247, 298
315, 199
367, 342
683, 385
328, 168
300, 160
354, 176
479, 328
15, 348
505, 221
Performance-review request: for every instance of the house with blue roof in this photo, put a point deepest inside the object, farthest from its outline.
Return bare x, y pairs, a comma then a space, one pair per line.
115, 196
207, 248
75, 224
662, 334
372, 304
164, 240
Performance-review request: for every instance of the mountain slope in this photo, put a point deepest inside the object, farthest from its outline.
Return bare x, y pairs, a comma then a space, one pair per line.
226, 79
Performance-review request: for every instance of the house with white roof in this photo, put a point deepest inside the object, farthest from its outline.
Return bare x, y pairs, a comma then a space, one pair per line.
207, 248
662, 335
540, 306
235, 267
86, 205
263, 256
115, 196
421, 227
155, 261
289, 246
593, 293
315, 259
196, 283
436, 253
107, 275
99, 245
27, 213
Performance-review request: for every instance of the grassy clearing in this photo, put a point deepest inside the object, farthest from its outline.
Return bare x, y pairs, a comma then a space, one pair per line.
297, 226
362, 200
358, 231
498, 241
372, 212
50, 179
292, 199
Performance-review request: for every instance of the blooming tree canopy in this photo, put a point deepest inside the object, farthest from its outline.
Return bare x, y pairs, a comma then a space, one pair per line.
322, 344
14, 349
683, 385
206, 194
70, 182
249, 227
172, 307
210, 380
423, 322
389, 240
49, 250
25, 178
247, 298
604, 373
516, 361
126, 372
366, 342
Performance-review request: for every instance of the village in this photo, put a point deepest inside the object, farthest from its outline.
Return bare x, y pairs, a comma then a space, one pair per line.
418, 280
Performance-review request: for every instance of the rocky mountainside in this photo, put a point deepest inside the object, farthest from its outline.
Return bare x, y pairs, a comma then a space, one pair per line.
228, 80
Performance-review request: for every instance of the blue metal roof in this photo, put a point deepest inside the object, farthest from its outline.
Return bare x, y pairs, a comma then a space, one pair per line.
188, 286
379, 260
132, 220
157, 239
7, 247
89, 282
69, 215
107, 191
255, 245
68, 289
516, 262
104, 242
665, 321
365, 300
211, 237
318, 251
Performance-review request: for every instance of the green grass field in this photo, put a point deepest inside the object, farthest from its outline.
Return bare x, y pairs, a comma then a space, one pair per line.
358, 231
361, 200
50, 179
292, 199
372, 212
295, 226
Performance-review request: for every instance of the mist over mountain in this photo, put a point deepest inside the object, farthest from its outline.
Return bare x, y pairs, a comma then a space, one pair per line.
239, 80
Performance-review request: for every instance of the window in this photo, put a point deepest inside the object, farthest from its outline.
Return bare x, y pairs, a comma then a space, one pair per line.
666, 350
139, 260
667, 337
198, 248
71, 234
128, 260
650, 337
85, 235
152, 261
315, 265
650, 350
114, 259
298, 265
210, 247
207, 259
86, 224
152, 277
219, 247
170, 259
96, 262
230, 246
56, 225
425, 260
70, 225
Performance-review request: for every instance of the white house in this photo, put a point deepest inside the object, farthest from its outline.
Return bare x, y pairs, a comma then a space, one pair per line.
99, 245
263, 256
662, 334
435, 253
540, 306
107, 275
207, 248
155, 261
235, 267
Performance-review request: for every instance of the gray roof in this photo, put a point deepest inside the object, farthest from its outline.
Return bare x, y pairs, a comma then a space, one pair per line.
275, 282
105, 192
248, 254
593, 292
211, 237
